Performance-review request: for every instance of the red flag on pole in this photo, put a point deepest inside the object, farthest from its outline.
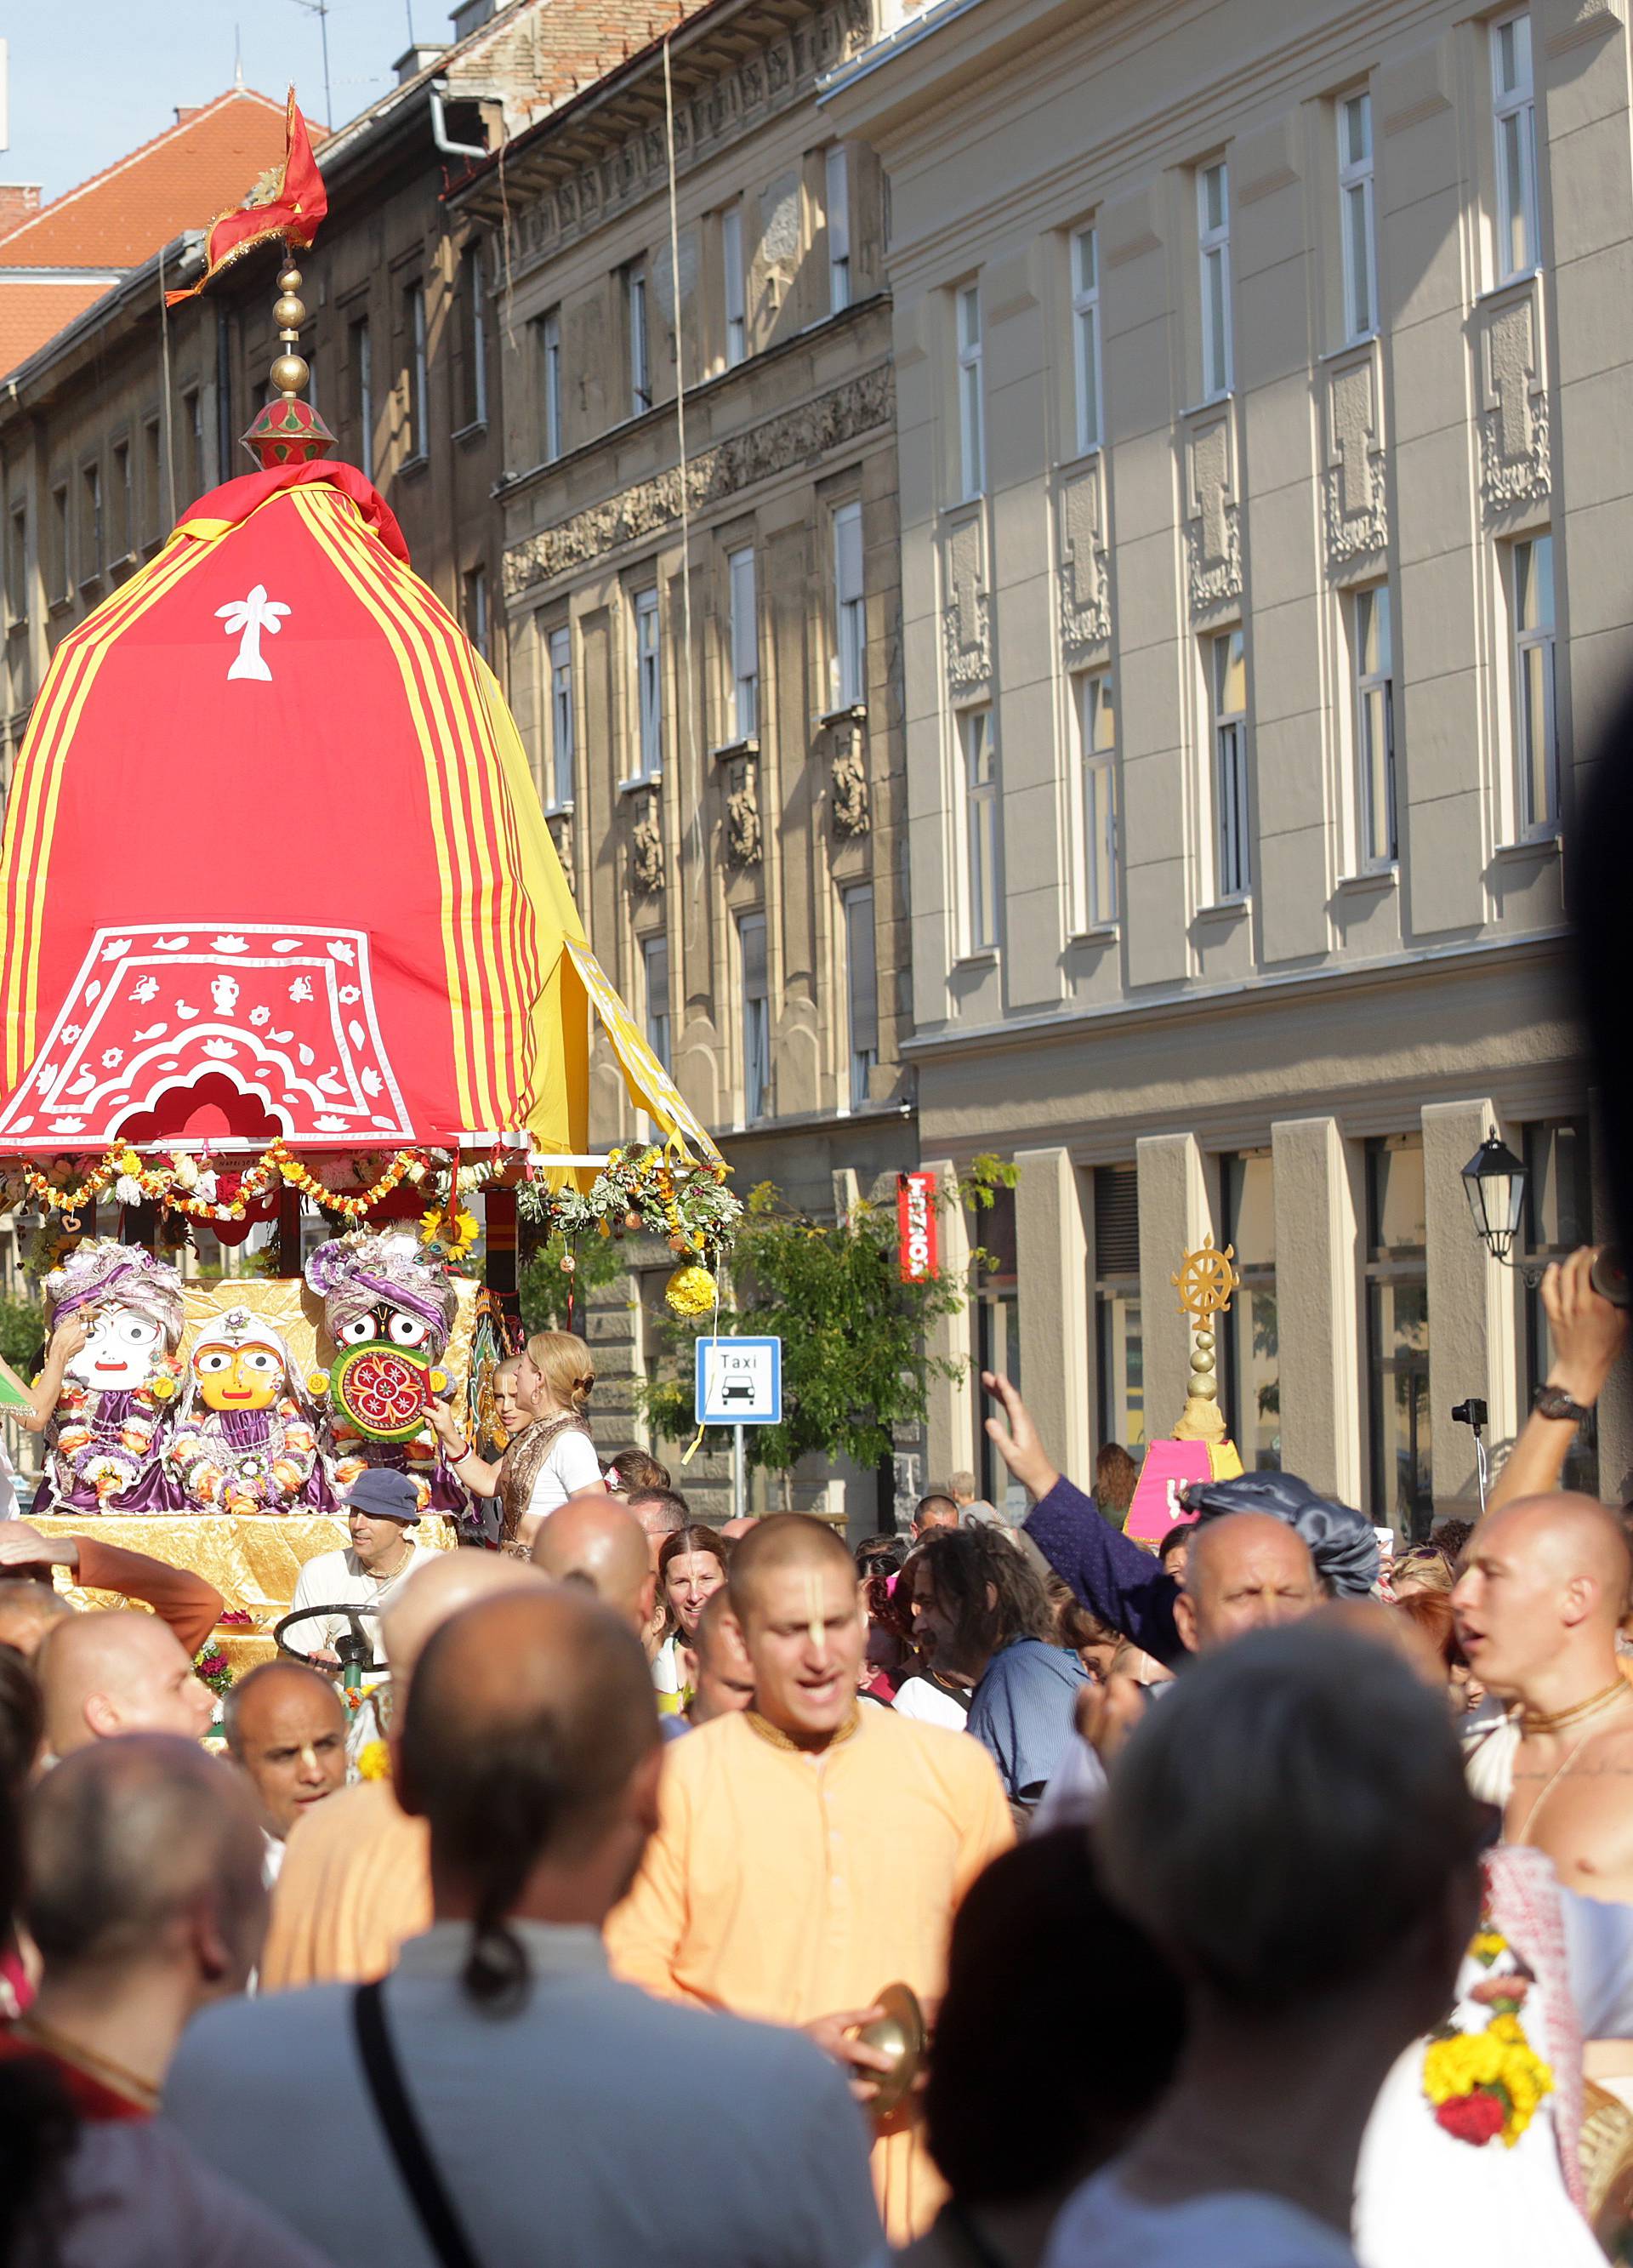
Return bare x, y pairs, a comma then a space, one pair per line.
287, 204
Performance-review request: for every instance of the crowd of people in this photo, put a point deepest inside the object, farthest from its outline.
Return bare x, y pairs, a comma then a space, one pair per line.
1267, 1904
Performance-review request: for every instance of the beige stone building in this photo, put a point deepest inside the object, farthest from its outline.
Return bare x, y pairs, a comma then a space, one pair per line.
702, 590
1262, 373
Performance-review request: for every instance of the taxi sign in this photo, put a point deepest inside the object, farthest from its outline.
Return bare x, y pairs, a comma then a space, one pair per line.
739, 1381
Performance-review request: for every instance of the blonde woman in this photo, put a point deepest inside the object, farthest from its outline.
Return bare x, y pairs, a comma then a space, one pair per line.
554, 1456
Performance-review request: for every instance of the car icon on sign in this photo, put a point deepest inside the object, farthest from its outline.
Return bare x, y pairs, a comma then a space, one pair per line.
738, 1389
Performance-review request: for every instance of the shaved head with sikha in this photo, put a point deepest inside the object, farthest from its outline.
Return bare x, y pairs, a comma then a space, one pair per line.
595, 1540
1245, 1571
796, 1598
445, 1586
107, 1673
285, 1726
531, 1748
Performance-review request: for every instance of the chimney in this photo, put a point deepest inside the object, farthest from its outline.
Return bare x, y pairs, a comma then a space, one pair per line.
18, 200
418, 58
185, 111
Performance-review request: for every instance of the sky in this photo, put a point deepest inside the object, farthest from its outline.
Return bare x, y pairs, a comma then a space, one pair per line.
90, 79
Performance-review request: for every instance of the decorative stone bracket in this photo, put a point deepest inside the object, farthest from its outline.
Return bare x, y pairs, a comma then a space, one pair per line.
1085, 590
1355, 484
646, 842
847, 731
1213, 540
743, 839
965, 608
1515, 463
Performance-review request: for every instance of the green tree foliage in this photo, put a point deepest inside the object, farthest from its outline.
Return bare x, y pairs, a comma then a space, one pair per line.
22, 1335
543, 1287
854, 1363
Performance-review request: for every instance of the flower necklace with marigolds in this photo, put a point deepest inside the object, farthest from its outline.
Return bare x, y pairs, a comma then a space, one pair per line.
1486, 2086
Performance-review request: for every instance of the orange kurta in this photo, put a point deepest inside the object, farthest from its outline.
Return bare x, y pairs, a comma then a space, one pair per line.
354, 1884
789, 1887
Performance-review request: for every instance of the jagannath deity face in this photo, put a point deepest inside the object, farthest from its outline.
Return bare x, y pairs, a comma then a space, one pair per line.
121, 1350
391, 1326
244, 1377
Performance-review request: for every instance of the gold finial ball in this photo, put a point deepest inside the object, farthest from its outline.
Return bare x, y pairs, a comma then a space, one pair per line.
288, 313
289, 279
289, 374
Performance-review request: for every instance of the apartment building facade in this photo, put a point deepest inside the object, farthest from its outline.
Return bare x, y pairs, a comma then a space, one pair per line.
701, 591
1261, 376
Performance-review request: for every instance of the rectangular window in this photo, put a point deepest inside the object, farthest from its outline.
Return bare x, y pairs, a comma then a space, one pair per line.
1536, 734
849, 610
1213, 237
417, 404
1096, 788
561, 720
1252, 1387
362, 395
838, 231
120, 501
744, 722
750, 948
17, 565
1085, 324
648, 685
193, 441
90, 523
477, 623
153, 479
474, 338
655, 988
736, 285
981, 829
861, 990
60, 562
640, 350
1119, 1346
1228, 681
972, 440
1397, 1337
1558, 1217
550, 383
1359, 230
1372, 659
1514, 128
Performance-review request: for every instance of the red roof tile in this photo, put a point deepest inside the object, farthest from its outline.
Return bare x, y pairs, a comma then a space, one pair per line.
180, 180
31, 313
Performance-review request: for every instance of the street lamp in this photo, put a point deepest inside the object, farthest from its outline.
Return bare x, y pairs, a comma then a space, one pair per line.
1494, 1180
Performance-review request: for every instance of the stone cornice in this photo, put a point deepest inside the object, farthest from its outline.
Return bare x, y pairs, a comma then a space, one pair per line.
781, 73
829, 421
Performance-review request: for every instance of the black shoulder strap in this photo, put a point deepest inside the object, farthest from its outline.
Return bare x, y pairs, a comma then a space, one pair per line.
420, 2177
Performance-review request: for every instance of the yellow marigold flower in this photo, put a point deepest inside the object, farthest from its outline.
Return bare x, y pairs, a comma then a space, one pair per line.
374, 1761
690, 1291
1486, 1944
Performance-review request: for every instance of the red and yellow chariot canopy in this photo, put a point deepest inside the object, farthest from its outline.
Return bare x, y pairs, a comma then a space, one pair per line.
274, 863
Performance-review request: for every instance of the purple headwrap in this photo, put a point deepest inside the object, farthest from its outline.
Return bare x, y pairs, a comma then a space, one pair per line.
352, 1274
101, 1273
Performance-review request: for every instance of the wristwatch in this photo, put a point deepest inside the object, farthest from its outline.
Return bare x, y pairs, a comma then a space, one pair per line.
1554, 1402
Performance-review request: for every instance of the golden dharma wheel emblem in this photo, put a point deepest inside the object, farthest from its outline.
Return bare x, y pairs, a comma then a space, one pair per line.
1206, 1280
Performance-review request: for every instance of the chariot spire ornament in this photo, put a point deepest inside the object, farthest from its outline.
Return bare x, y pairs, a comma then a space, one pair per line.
289, 430
1205, 1281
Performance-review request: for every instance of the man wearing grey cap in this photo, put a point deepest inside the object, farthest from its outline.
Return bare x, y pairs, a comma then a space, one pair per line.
382, 1508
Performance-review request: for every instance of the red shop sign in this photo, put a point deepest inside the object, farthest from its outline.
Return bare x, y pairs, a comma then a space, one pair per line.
915, 1227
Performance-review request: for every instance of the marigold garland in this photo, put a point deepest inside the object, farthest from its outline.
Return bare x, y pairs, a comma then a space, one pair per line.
1486, 2086
182, 1186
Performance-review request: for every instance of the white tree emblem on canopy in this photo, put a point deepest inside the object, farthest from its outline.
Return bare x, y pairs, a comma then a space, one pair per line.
245, 619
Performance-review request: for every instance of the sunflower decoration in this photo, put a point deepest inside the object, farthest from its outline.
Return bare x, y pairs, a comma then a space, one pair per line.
451, 1230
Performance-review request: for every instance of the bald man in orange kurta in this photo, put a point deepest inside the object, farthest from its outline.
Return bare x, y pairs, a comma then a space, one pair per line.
811, 1851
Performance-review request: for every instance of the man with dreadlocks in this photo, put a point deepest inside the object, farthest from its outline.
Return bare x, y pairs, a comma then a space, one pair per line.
531, 1751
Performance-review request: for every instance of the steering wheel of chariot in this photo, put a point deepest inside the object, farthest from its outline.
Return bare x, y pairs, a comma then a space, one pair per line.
355, 1649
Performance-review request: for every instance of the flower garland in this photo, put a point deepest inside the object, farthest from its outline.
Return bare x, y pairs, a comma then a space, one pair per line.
641, 1188
211, 1667
182, 1184
1487, 2086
